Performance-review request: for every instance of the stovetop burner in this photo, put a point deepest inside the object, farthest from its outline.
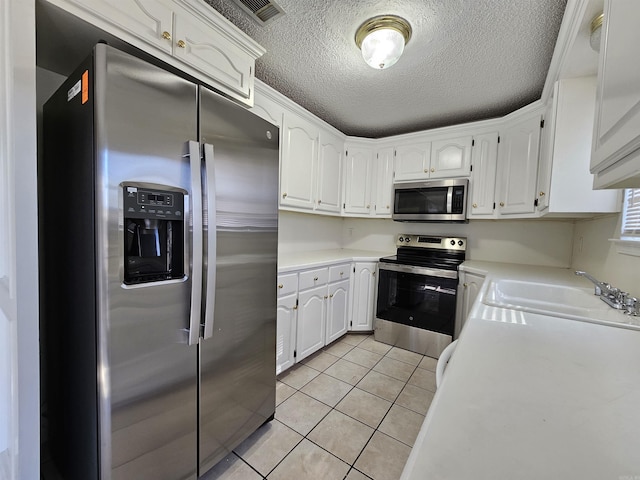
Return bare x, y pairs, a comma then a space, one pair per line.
444, 253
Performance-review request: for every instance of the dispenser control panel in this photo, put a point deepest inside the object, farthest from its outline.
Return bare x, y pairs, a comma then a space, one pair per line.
147, 203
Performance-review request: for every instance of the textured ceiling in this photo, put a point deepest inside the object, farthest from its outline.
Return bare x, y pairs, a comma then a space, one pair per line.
467, 60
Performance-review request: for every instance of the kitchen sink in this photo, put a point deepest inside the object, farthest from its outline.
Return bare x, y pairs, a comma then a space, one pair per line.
547, 299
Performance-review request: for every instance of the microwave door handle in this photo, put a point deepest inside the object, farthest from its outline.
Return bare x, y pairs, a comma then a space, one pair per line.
449, 200
196, 243
210, 295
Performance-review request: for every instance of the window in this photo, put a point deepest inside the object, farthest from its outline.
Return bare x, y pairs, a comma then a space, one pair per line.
631, 215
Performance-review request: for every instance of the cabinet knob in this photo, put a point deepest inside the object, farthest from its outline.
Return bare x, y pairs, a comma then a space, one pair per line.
284, 195
319, 202
502, 204
325, 297
475, 205
295, 307
182, 44
465, 285
331, 296
341, 273
433, 169
541, 194
388, 207
426, 170
315, 279
369, 206
374, 274
166, 35
281, 286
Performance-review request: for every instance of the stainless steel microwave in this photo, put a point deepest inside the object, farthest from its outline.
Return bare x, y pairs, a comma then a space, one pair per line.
431, 201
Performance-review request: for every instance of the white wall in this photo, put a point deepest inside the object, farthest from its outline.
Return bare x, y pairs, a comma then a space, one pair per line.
301, 232
534, 242
594, 253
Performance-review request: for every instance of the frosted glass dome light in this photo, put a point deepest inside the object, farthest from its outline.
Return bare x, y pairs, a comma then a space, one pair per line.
382, 40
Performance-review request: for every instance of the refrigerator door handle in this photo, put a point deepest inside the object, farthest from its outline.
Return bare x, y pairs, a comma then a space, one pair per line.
196, 244
211, 241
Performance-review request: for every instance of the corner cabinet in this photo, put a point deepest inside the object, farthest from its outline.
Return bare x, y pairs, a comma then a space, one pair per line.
518, 166
187, 34
328, 196
616, 137
364, 295
286, 321
358, 180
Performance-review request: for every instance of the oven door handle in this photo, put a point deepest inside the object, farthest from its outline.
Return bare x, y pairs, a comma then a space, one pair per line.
418, 270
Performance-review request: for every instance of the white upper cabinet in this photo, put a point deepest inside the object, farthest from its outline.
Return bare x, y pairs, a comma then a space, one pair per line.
268, 109
517, 166
328, 196
187, 34
565, 186
413, 161
616, 140
198, 44
484, 157
450, 157
358, 180
383, 191
299, 153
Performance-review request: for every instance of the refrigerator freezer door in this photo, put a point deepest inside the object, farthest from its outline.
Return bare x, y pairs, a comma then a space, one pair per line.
147, 373
237, 370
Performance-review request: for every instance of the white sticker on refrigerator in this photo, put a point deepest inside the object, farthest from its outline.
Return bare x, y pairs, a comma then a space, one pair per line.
75, 90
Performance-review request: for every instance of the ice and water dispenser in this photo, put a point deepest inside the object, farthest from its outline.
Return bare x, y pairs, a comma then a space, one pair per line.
154, 235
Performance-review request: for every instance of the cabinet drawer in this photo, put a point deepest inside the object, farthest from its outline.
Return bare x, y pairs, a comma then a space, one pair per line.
287, 283
313, 278
339, 272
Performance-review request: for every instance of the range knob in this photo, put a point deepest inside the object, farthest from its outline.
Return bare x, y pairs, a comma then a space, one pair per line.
401, 239
452, 242
460, 242
407, 239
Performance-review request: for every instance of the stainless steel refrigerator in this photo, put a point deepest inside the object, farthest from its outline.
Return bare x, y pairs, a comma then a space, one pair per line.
158, 243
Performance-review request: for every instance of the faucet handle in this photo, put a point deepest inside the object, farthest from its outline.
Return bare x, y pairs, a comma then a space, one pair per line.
631, 306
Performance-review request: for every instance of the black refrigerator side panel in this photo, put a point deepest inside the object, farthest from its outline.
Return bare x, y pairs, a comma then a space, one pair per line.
66, 200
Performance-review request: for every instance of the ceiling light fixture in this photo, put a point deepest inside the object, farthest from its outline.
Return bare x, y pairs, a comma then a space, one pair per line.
596, 32
382, 40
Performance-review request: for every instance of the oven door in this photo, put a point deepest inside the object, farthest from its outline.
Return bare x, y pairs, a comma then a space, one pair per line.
417, 297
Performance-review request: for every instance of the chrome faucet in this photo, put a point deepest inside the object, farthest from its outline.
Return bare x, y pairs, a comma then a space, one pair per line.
600, 287
613, 296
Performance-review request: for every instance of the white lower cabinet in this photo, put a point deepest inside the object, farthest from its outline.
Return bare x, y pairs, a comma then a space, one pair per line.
312, 311
364, 295
337, 310
469, 285
286, 331
311, 327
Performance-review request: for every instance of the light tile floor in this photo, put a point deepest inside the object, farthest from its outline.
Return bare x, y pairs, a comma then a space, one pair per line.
351, 411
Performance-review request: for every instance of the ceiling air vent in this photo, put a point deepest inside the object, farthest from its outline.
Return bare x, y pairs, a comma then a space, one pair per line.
262, 11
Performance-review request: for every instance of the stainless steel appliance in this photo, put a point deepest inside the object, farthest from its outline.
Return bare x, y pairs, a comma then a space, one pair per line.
432, 201
416, 305
158, 209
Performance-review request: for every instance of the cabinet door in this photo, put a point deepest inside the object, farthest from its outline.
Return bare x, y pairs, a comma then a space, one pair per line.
483, 176
329, 186
468, 290
149, 20
200, 45
412, 161
617, 119
311, 321
546, 152
383, 190
358, 175
364, 294
518, 166
299, 154
337, 310
451, 157
286, 332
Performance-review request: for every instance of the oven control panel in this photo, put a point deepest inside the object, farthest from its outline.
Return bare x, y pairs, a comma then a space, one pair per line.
430, 241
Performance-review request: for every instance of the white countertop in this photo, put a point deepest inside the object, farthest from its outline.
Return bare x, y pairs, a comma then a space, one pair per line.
530, 396
319, 258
